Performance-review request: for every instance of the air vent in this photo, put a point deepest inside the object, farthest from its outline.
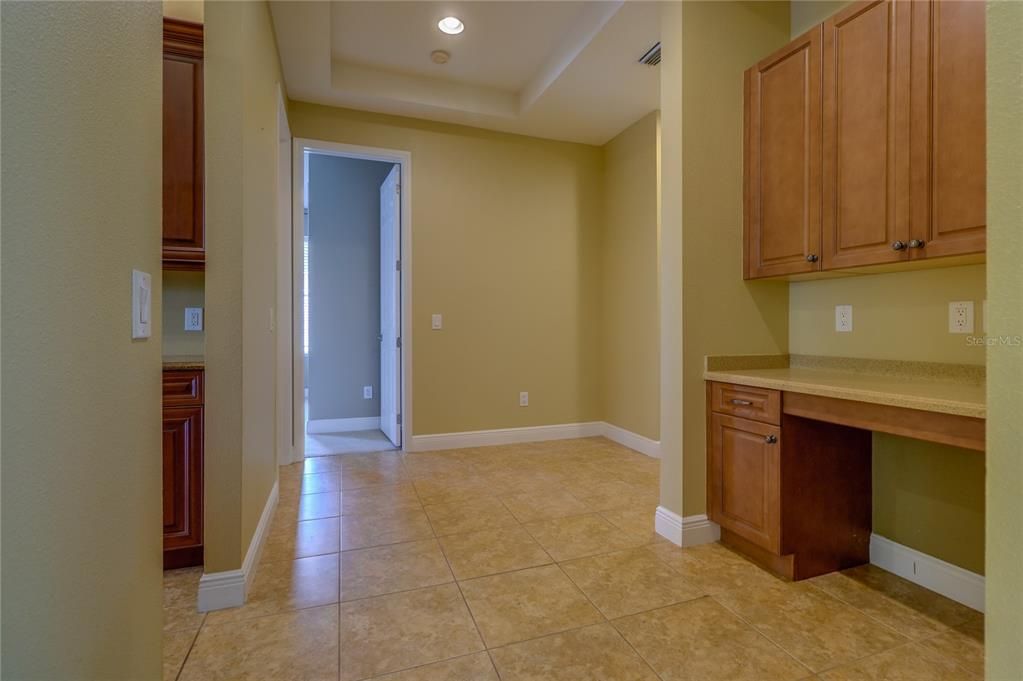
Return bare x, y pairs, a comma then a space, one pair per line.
652, 57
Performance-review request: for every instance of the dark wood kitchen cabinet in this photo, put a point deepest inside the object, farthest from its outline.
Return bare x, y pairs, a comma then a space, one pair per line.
182, 468
184, 234
865, 141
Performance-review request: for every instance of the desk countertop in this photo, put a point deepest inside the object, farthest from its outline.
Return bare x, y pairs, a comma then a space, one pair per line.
943, 388
196, 362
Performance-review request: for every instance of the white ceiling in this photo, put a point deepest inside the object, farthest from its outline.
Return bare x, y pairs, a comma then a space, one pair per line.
560, 70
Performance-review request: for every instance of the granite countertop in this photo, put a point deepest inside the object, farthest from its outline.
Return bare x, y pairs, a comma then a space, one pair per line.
944, 388
194, 362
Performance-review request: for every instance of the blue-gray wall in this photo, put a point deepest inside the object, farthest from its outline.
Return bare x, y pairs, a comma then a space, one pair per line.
344, 286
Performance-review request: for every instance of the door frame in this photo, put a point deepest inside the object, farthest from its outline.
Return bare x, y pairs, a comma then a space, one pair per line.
404, 160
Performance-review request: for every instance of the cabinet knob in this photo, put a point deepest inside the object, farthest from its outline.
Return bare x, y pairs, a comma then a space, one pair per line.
771, 439
898, 245
916, 243
811, 258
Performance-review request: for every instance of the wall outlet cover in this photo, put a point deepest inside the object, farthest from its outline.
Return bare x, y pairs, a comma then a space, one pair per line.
843, 318
367, 392
523, 399
960, 316
436, 322
193, 319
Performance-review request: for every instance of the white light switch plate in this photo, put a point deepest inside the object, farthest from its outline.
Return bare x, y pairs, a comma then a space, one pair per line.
843, 318
193, 319
960, 316
141, 304
436, 322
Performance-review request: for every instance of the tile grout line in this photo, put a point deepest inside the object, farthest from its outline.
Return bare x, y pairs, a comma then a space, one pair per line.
608, 622
465, 603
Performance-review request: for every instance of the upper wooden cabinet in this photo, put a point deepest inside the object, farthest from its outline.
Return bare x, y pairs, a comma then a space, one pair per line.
866, 118
782, 160
184, 242
865, 140
948, 146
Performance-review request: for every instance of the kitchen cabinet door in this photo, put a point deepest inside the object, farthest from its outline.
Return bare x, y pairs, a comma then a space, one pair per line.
949, 175
783, 161
744, 484
865, 214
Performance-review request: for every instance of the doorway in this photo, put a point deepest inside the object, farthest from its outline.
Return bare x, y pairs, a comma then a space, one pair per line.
350, 350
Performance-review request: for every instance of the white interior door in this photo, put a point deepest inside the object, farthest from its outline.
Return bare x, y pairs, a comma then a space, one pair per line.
390, 306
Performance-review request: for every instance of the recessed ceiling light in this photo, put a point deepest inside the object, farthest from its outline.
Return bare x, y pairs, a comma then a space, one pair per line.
451, 25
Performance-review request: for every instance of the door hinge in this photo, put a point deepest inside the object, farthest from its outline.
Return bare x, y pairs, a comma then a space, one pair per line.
399, 341
397, 265
399, 419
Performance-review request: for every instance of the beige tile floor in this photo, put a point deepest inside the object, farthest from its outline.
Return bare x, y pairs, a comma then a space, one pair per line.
538, 562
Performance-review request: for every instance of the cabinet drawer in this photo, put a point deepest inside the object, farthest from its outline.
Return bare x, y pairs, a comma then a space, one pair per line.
759, 404
182, 387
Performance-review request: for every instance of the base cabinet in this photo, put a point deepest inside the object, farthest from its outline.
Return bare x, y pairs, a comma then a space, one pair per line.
182, 473
745, 479
794, 494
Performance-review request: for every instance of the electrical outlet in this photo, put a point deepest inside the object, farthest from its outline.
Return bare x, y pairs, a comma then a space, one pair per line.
193, 319
367, 392
960, 317
843, 318
436, 322
523, 399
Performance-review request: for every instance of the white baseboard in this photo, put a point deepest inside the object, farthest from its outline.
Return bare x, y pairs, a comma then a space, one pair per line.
503, 436
699, 529
688, 531
510, 436
227, 589
929, 572
317, 426
641, 444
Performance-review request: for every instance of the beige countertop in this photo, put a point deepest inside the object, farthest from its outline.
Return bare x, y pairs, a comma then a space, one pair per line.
943, 388
184, 362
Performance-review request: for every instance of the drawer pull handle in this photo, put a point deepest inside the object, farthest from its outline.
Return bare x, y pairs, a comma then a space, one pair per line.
771, 439
742, 403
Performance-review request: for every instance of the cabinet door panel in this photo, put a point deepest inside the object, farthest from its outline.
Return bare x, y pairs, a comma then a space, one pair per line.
949, 136
865, 129
783, 100
745, 477
183, 160
182, 479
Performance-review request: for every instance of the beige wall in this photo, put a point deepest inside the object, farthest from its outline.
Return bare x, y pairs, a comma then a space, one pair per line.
721, 314
242, 73
903, 315
181, 290
187, 10
505, 241
670, 255
1005, 362
81, 400
808, 13
630, 330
